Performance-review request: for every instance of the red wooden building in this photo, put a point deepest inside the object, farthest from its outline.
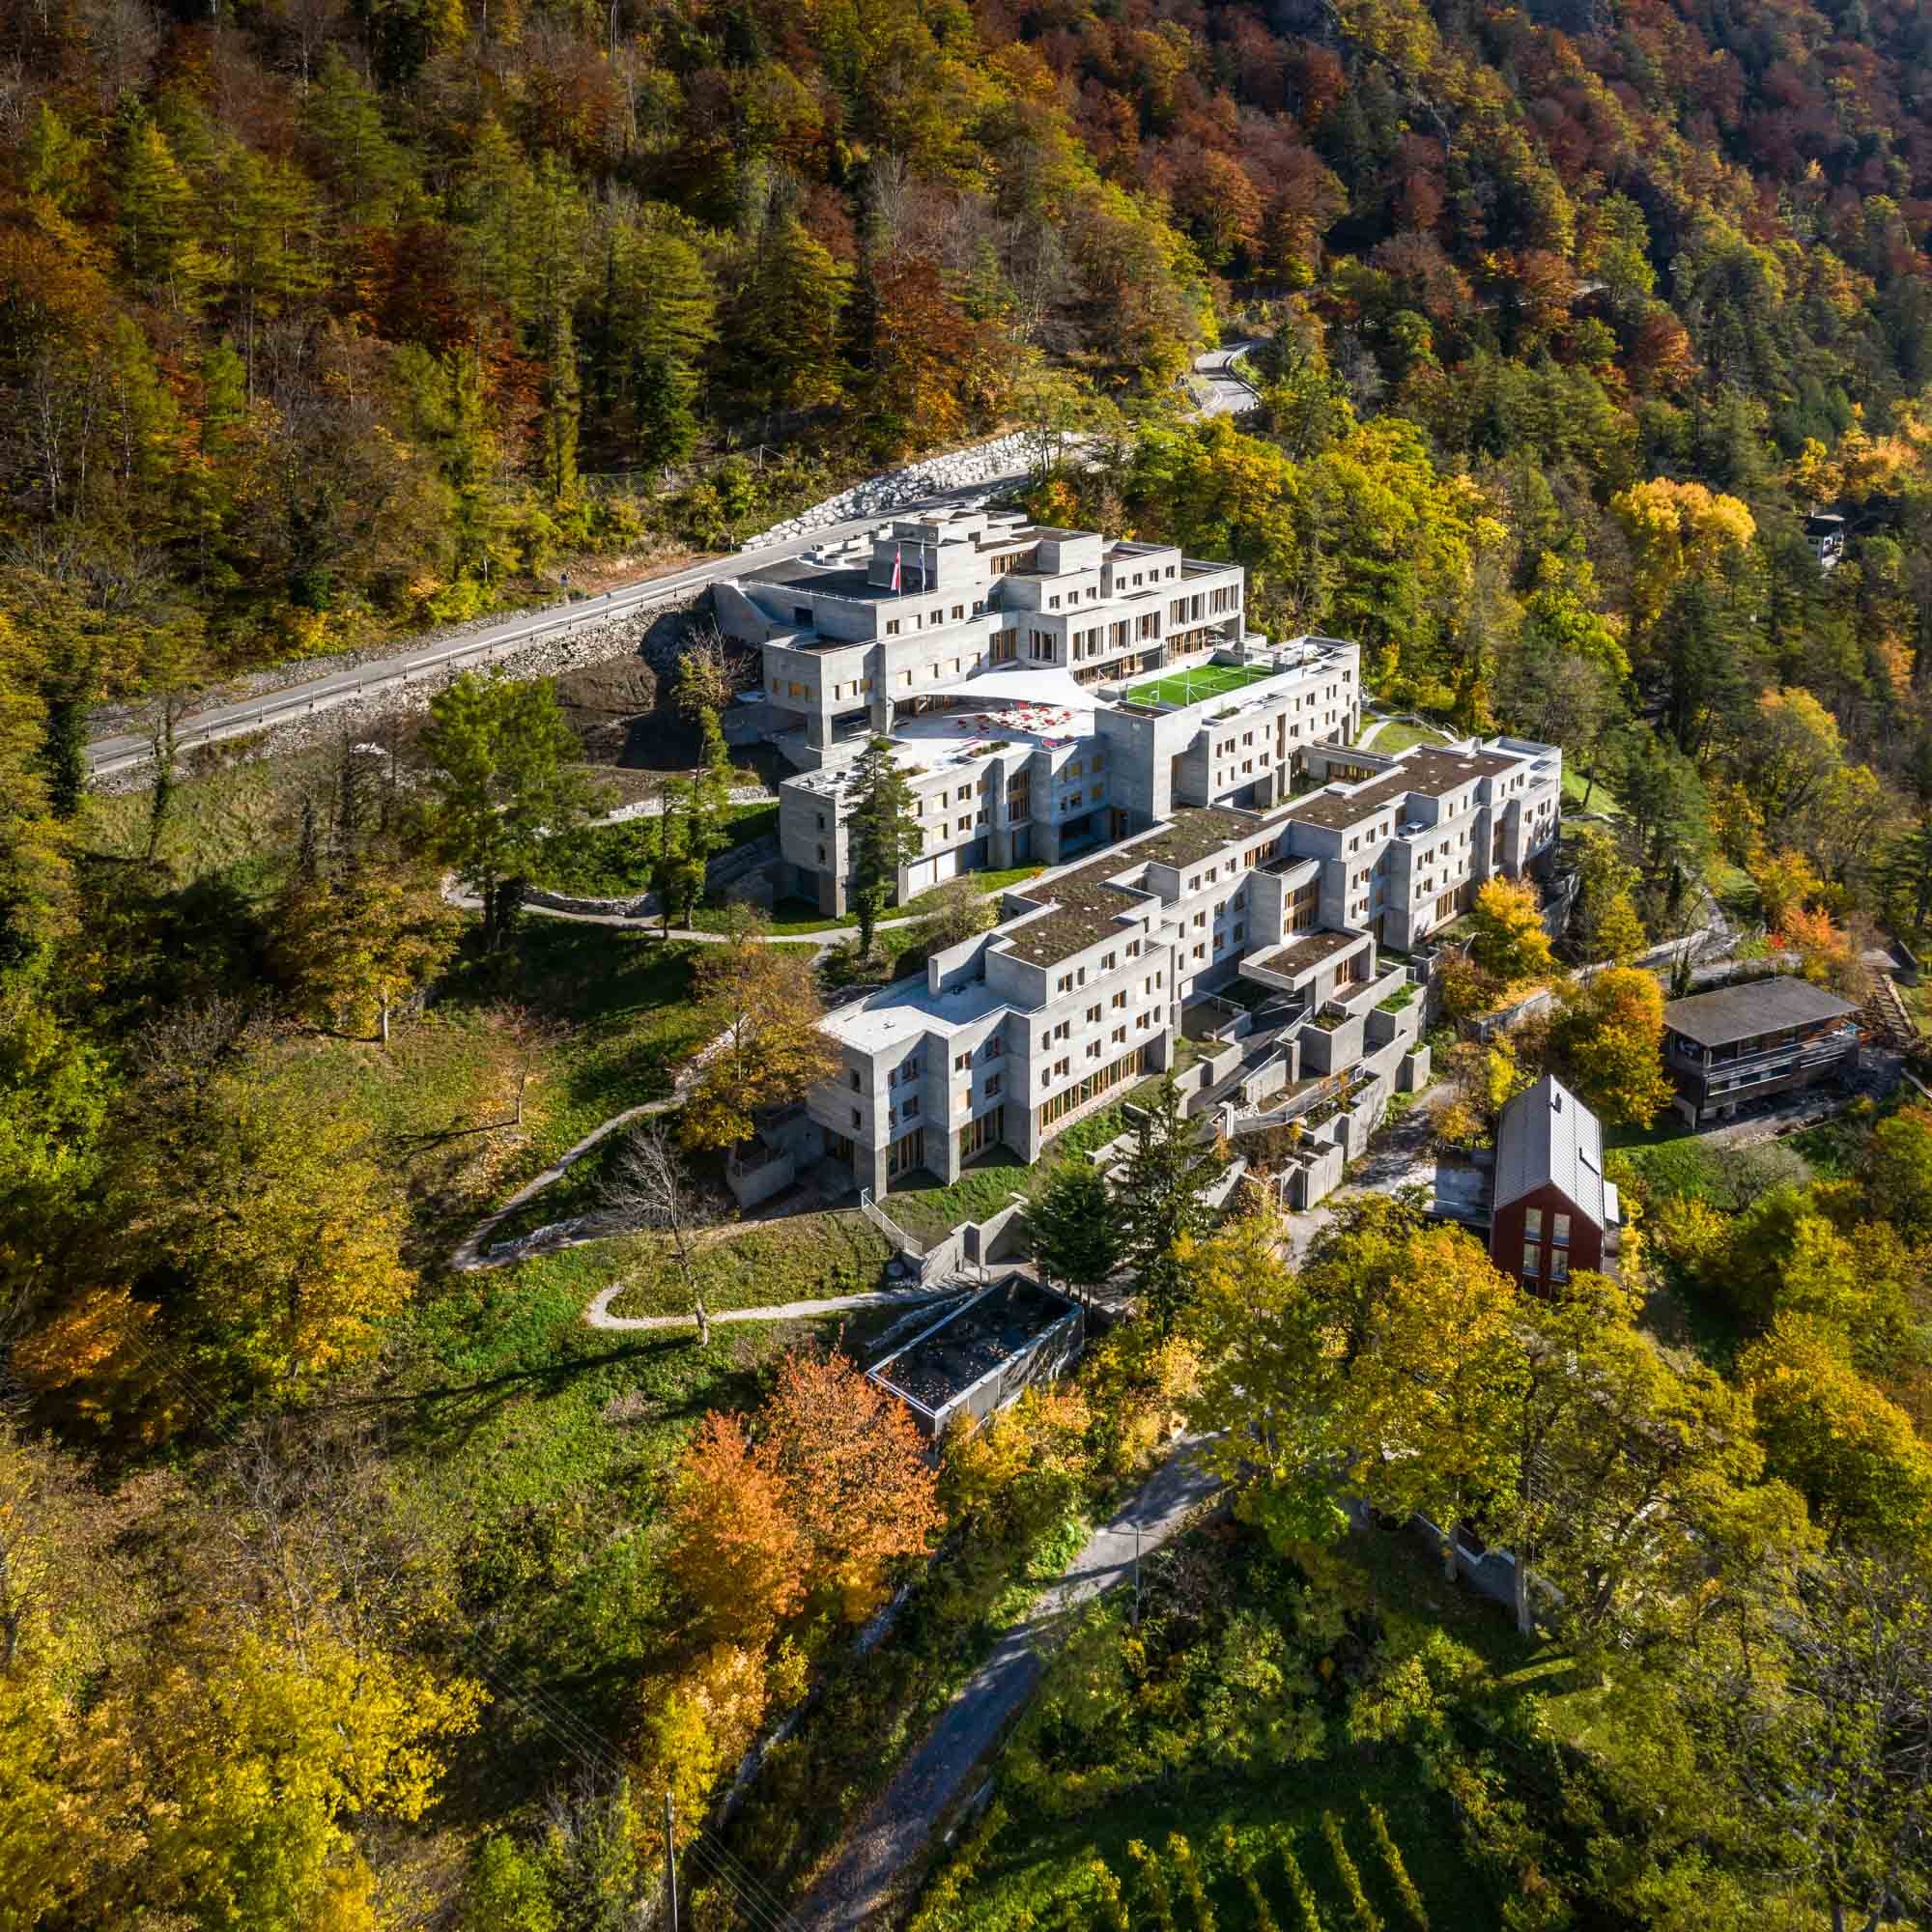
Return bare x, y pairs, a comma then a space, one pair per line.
1552, 1211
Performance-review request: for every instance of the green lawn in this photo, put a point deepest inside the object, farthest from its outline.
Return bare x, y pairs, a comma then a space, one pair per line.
793, 917
1195, 687
245, 815
1402, 736
1602, 799
621, 1003
804, 1258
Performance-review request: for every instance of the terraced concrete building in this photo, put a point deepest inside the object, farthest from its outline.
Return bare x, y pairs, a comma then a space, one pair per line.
1085, 985
1098, 707
1048, 692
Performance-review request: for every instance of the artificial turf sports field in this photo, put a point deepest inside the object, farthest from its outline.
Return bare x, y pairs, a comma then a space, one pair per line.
1190, 687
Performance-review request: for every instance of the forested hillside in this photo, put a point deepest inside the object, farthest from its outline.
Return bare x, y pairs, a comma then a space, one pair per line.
343, 1584
319, 317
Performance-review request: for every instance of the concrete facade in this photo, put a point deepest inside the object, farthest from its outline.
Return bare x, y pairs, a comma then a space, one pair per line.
1097, 707
1079, 990
1012, 668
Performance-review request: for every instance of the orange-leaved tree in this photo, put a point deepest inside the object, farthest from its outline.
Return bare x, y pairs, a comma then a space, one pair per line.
739, 1553
831, 1483
855, 1477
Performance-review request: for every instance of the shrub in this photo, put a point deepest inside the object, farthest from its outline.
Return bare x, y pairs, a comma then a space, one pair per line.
1362, 1915
1397, 1871
1242, 1862
1308, 1913
1154, 1881
1182, 1855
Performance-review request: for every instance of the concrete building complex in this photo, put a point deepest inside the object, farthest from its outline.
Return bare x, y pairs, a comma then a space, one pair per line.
1048, 692
1100, 708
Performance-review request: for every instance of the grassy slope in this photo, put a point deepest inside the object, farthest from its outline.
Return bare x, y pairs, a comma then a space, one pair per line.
541, 1449
809, 1258
927, 1210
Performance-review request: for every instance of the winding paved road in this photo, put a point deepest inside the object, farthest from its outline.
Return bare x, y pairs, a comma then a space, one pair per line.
886, 1844
1228, 392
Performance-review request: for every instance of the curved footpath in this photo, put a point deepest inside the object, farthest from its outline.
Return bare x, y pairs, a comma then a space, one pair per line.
598, 1314
885, 1848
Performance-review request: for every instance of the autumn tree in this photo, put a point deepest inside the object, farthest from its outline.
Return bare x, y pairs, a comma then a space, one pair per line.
831, 1486
1609, 1038
354, 947
762, 999
740, 1553
1506, 935
1851, 1452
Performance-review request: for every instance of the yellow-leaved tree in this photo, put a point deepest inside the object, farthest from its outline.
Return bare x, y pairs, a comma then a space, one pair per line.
1609, 1036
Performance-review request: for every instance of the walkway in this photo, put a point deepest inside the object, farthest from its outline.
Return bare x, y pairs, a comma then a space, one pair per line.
598, 1314
885, 1848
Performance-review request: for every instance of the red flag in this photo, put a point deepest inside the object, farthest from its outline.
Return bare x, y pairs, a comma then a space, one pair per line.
896, 558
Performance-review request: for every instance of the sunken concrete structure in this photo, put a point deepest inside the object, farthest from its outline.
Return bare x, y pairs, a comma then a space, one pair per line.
1727, 1049
1552, 1212
980, 1357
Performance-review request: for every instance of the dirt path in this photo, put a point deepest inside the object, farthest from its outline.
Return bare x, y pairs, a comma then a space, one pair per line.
886, 1846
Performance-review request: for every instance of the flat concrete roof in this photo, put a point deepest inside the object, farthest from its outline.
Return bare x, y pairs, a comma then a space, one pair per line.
1314, 949
907, 1010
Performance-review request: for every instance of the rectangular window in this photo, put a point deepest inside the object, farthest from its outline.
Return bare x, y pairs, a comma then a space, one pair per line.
1533, 1224
1559, 1265
1559, 1229
1530, 1263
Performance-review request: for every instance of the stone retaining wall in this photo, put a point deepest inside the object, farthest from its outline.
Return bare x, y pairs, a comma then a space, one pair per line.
656, 630
1005, 457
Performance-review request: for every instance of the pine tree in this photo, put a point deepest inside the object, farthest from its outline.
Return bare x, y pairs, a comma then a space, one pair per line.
559, 399
885, 835
1168, 1169
1075, 1228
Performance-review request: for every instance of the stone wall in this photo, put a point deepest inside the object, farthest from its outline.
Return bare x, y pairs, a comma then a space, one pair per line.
1005, 459
657, 632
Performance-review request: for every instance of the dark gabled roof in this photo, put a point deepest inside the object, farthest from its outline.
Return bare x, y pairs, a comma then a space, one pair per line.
1732, 1013
1546, 1137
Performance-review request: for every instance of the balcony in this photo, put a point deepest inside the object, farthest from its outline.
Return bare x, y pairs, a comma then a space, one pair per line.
1821, 1050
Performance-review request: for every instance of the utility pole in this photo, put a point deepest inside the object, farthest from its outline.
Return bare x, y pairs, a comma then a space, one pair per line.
1137, 1581
670, 1857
